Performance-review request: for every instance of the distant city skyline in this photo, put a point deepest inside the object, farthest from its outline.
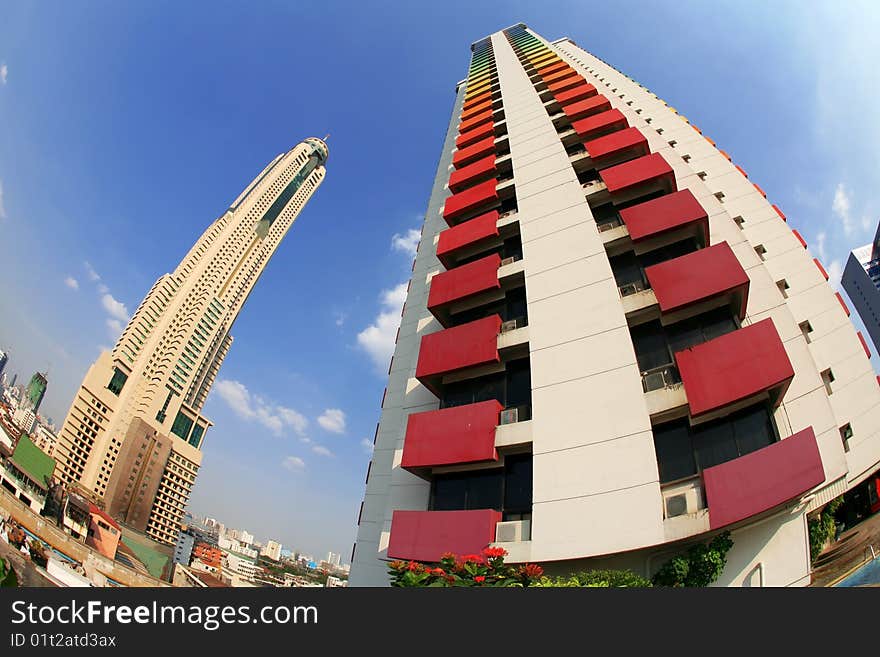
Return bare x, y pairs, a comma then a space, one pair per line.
121, 128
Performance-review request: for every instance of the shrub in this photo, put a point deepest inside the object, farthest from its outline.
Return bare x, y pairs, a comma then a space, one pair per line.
822, 528
701, 565
597, 579
7, 574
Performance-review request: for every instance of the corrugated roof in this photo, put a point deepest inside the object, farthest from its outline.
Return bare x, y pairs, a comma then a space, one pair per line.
33, 461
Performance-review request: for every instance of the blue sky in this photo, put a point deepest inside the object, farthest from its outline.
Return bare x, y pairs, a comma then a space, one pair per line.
126, 128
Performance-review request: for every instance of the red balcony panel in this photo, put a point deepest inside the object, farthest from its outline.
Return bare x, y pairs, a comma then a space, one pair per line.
482, 131
562, 85
762, 192
763, 480
799, 238
464, 281
600, 124
450, 436
467, 155
476, 109
643, 170
428, 535
579, 92
588, 107
780, 213
842, 303
630, 141
474, 121
735, 367
473, 172
468, 233
560, 76
821, 268
470, 199
741, 170
452, 349
664, 214
700, 276
552, 67
864, 344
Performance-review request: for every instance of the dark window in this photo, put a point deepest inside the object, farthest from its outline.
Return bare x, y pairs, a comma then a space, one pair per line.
196, 438
511, 388
512, 306
510, 248
117, 382
683, 451
655, 344
507, 489
161, 414
182, 425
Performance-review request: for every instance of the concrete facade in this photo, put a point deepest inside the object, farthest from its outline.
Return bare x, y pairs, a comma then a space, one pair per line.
597, 497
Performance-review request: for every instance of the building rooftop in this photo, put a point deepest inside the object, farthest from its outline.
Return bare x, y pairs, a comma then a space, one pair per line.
33, 462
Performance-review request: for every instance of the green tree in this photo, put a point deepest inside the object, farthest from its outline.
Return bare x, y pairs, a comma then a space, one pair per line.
701, 565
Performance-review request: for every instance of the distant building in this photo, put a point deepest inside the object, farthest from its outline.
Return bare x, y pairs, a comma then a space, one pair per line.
272, 550
336, 582
246, 537
861, 280
104, 532
35, 391
25, 418
333, 559
27, 474
4, 358
184, 547
44, 438
207, 557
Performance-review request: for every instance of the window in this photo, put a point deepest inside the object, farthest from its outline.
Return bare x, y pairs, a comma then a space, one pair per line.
761, 251
684, 451
739, 221
828, 379
673, 143
846, 433
507, 489
720, 196
686, 157
117, 381
511, 388
702, 175
783, 287
806, 329
182, 425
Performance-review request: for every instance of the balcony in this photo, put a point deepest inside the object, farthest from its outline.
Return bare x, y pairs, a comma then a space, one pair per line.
478, 99
645, 175
600, 124
476, 110
483, 195
480, 149
551, 67
562, 85
462, 283
669, 218
427, 535
474, 172
587, 107
457, 348
476, 120
617, 147
700, 279
763, 480
561, 75
735, 369
482, 131
580, 92
466, 235
450, 436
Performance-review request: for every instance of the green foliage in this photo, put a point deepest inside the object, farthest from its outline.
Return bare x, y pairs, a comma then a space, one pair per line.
701, 565
822, 528
597, 579
7, 574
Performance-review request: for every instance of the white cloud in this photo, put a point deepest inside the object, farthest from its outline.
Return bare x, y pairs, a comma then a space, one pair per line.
378, 338
332, 420
90, 271
114, 308
821, 237
253, 407
367, 445
407, 243
340, 318
294, 464
115, 327
4, 73
322, 451
835, 271
71, 282
2, 207
841, 207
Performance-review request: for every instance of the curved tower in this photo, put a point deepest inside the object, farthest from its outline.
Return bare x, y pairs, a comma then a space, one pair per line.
613, 344
134, 432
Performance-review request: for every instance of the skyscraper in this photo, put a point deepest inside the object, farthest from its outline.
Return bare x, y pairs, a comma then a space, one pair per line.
4, 358
613, 345
135, 430
861, 280
34, 393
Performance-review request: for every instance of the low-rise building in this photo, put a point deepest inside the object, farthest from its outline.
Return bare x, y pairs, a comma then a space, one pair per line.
27, 474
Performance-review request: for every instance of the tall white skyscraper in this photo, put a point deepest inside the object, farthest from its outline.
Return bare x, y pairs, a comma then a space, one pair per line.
134, 432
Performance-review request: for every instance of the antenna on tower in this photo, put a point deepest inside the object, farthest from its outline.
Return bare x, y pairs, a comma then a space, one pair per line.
326, 137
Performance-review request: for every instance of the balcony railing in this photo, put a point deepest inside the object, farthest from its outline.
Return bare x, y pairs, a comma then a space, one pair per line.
515, 414
632, 288
609, 223
657, 378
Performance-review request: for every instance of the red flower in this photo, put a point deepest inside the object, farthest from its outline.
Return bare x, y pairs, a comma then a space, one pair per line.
472, 558
479, 579
531, 570
447, 555
438, 571
397, 565
413, 566
494, 552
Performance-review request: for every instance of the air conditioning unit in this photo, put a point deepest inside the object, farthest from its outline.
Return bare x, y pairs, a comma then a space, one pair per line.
606, 226
653, 381
508, 261
509, 325
628, 289
682, 501
509, 416
513, 531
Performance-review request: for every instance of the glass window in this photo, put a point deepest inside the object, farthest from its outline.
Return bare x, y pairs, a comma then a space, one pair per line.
626, 269
650, 346
182, 425
195, 438
117, 382
518, 483
675, 454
